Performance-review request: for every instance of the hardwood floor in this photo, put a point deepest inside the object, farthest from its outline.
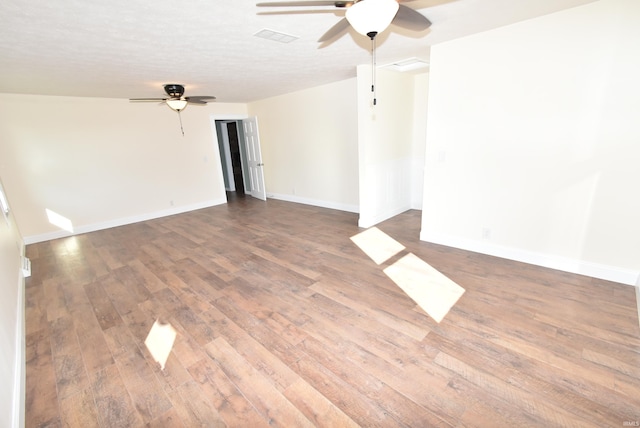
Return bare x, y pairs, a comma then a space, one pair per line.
281, 320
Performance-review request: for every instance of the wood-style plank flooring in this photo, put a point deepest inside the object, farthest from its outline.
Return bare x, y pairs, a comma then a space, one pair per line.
283, 321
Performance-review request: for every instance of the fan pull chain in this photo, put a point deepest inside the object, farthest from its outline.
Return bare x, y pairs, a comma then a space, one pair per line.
180, 118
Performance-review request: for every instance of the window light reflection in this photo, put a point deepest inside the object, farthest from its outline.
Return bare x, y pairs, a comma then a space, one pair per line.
377, 244
160, 340
59, 220
430, 289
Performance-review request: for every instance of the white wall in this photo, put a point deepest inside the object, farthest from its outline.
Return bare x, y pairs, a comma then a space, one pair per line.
310, 145
327, 146
104, 162
11, 321
418, 148
534, 138
385, 139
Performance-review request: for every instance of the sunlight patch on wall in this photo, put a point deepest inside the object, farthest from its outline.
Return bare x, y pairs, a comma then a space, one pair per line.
4, 203
377, 244
59, 220
430, 289
160, 340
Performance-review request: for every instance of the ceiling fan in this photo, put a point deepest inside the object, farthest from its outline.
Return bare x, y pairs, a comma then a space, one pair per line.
367, 17
176, 101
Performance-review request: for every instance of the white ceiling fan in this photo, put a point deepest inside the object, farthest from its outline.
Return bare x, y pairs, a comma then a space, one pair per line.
367, 17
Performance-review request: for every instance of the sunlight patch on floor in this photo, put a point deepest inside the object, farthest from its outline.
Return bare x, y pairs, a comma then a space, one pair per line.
430, 289
377, 244
160, 340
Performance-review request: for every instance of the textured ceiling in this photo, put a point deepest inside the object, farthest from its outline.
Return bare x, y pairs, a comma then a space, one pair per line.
130, 48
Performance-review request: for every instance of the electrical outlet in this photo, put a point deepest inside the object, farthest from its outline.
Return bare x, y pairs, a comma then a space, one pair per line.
486, 233
26, 267
171, 202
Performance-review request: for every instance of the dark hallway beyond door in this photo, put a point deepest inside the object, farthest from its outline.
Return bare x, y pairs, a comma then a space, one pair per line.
236, 160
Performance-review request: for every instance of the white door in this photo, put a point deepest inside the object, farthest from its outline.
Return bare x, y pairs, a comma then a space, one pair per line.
254, 158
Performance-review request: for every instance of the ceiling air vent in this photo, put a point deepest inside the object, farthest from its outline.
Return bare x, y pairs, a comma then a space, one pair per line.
409, 64
276, 36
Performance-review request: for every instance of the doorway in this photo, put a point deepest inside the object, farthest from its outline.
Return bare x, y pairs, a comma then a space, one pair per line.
246, 162
236, 159
232, 156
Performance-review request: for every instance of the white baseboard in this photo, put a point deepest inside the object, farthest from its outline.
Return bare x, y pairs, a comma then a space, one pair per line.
121, 221
638, 297
581, 267
315, 202
366, 222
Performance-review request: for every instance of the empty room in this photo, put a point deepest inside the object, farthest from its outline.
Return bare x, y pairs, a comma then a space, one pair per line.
362, 213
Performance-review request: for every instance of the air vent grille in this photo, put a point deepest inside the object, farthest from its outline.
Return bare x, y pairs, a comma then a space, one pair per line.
409, 64
276, 36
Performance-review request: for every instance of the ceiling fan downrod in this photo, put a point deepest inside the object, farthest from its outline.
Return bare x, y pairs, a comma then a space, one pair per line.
372, 35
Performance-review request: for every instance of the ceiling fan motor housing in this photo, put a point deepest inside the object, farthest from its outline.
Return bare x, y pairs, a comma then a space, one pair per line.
174, 90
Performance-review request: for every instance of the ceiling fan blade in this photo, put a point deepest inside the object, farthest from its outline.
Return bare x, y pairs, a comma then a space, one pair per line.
337, 30
200, 102
297, 12
410, 19
147, 99
311, 3
195, 98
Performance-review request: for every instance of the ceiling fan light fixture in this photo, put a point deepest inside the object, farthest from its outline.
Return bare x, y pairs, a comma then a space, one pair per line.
177, 105
372, 16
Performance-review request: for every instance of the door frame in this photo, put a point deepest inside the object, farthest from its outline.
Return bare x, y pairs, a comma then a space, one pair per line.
224, 144
218, 161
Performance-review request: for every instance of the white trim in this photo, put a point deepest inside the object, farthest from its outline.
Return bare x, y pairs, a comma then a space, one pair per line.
122, 221
17, 419
229, 116
580, 267
315, 202
226, 148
